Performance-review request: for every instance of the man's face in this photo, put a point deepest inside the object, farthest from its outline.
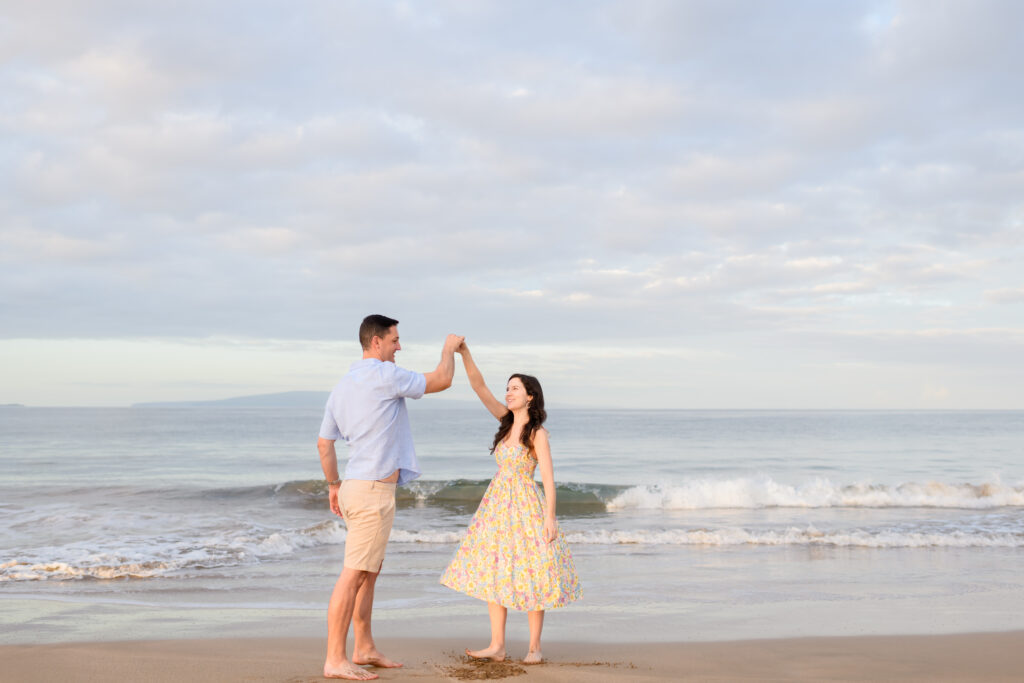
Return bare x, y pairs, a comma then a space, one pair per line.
389, 344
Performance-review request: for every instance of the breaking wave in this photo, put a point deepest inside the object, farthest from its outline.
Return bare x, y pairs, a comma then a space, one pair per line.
112, 543
752, 493
184, 559
695, 494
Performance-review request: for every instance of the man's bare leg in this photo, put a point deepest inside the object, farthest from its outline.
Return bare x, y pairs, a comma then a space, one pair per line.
365, 651
496, 650
536, 619
339, 616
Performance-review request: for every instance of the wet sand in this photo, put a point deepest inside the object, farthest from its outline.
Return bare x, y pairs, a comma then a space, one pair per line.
968, 657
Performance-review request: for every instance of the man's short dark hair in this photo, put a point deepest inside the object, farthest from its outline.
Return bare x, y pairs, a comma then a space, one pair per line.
374, 326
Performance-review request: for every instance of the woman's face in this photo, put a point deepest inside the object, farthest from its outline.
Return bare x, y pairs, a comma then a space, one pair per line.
515, 394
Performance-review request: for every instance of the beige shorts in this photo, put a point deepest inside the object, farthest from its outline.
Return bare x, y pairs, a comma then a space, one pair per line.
368, 508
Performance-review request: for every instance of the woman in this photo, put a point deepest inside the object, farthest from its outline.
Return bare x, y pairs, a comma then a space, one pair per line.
512, 554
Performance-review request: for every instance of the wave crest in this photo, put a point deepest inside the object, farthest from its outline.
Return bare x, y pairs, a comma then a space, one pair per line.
752, 493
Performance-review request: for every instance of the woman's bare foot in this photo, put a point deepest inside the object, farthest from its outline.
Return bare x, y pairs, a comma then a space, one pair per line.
533, 657
348, 671
493, 653
375, 658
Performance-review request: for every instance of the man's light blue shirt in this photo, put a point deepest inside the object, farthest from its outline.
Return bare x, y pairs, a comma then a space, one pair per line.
367, 410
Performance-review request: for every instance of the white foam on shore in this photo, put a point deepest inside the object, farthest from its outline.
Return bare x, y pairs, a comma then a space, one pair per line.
738, 536
400, 536
800, 537
185, 555
62, 571
146, 558
752, 493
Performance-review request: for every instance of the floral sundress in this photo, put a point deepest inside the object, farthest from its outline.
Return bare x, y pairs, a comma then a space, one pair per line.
503, 557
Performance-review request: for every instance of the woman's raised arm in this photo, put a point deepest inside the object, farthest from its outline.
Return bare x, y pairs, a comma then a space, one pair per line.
476, 380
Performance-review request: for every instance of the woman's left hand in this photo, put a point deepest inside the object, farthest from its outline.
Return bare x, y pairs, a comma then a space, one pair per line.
550, 529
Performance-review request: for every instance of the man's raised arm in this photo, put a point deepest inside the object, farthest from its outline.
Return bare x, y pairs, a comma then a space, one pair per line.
441, 378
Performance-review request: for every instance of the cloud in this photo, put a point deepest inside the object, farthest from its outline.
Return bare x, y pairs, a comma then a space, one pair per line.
22, 245
700, 173
1007, 295
961, 348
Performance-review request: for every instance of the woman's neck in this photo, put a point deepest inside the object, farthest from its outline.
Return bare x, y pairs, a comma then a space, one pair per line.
520, 418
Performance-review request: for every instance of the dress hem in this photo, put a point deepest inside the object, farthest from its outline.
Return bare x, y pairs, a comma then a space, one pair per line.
486, 598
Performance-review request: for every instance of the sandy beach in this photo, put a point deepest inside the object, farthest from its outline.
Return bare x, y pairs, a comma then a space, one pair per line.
968, 657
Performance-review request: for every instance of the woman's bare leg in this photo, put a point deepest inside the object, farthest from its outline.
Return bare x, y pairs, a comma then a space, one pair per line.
536, 619
496, 650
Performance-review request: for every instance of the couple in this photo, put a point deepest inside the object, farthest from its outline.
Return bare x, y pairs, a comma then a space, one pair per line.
512, 554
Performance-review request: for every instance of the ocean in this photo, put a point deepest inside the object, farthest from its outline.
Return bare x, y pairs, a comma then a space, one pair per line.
129, 523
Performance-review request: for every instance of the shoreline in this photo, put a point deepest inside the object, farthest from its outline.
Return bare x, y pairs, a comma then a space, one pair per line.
997, 656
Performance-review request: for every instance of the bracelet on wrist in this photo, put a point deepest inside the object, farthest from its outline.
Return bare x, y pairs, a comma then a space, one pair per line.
333, 482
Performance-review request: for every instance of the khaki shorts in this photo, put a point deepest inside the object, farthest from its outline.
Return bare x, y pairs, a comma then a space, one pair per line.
368, 508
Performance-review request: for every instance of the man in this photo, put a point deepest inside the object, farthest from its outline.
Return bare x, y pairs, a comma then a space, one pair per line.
367, 409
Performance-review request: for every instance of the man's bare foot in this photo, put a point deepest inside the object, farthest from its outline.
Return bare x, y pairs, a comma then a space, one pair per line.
495, 654
349, 672
375, 658
533, 657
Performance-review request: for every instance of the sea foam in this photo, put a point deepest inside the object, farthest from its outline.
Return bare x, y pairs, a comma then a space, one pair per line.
751, 493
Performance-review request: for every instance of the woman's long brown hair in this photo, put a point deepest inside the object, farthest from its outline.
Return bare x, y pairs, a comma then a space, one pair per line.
535, 411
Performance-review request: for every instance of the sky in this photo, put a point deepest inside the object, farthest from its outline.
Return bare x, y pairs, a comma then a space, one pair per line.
647, 204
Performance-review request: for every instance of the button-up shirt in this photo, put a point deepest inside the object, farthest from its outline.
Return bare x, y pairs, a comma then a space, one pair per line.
367, 410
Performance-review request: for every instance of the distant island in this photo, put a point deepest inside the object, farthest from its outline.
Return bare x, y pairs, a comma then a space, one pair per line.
12, 405
287, 399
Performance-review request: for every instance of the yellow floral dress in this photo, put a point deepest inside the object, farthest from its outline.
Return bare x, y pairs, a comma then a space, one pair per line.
503, 557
